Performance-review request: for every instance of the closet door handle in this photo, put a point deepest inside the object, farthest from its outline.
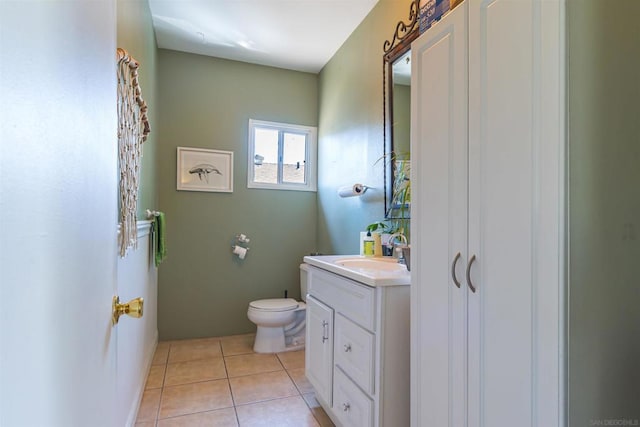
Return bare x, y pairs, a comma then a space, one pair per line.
471, 260
453, 270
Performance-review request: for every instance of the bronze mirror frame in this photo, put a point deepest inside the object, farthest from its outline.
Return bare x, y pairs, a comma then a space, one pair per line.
405, 33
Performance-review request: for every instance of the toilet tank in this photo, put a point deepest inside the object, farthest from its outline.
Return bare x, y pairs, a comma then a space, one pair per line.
304, 269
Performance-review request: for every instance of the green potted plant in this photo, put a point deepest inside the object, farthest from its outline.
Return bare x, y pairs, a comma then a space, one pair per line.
401, 194
399, 214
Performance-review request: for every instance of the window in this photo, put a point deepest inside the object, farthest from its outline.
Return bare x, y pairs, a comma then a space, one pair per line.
281, 156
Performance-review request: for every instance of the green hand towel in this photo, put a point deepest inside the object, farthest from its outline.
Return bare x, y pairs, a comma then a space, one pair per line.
161, 248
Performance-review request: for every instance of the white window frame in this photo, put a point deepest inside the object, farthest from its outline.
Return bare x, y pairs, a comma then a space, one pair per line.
310, 168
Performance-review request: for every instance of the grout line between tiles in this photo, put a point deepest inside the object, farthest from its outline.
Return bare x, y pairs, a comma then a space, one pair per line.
295, 384
256, 373
271, 399
235, 410
193, 413
164, 376
233, 399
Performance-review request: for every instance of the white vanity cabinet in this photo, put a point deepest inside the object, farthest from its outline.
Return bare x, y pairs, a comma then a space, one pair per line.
486, 216
357, 349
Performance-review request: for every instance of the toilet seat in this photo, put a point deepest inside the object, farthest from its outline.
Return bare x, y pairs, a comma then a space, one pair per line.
274, 304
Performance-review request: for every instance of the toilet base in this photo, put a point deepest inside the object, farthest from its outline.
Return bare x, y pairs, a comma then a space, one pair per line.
272, 340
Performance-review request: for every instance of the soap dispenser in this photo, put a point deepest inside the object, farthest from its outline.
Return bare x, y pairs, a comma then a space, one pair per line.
368, 245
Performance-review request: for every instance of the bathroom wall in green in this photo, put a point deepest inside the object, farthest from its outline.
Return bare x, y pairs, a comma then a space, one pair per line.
351, 135
604, 212
204, 290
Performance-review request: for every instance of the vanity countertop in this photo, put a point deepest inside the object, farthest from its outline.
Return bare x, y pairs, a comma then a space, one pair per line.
371, 271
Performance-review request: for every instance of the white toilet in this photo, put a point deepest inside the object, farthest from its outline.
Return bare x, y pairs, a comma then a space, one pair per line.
281, 321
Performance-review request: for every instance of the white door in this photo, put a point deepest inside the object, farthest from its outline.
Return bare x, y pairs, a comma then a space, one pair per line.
439, 222
515, 146
500, 206
58, 203
319, 348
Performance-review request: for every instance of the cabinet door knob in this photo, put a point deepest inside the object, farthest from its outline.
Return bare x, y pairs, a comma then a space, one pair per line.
346, 407
347, 348
473, 289
453, 270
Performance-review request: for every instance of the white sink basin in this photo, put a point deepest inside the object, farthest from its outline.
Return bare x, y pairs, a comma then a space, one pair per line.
372, 264
371, 271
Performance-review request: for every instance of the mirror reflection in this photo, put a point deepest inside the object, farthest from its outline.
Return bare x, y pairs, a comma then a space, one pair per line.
401, 119
397, 118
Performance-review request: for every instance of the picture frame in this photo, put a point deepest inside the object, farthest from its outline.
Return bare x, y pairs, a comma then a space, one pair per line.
201, 169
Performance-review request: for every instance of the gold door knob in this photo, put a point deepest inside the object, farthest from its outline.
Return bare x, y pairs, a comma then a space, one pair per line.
132, 308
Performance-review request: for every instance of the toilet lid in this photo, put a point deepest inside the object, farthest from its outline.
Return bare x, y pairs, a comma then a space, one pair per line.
275, 304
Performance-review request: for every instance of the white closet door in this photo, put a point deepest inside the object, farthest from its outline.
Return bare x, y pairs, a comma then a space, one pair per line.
439, 222
508, 201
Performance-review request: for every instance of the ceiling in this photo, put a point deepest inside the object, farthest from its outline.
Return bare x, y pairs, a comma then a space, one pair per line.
299, 35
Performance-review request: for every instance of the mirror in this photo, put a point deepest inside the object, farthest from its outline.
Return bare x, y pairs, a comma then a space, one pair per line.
397, 116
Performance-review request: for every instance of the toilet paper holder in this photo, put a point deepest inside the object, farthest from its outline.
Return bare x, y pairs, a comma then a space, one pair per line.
352, 190
237, 247
242, 238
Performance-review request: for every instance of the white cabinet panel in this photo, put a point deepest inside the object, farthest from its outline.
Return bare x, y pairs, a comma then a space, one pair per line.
439, 103
357, 352
354, 352
353, 299
482, 143
352, 407
503, 83
319, 348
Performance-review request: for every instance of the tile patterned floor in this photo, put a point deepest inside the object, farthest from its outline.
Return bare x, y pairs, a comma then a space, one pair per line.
221, 382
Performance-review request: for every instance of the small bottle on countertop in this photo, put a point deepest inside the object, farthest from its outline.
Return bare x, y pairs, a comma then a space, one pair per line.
377, 244
368, 245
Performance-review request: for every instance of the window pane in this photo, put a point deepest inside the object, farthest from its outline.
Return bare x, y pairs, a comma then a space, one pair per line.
265, 161
282, 156
293, 158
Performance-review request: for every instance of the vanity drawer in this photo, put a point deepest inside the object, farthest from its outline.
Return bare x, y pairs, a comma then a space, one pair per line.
353, 352
350, 298
350, 405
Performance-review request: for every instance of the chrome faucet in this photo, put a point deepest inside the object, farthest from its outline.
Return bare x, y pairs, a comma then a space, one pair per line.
397, 248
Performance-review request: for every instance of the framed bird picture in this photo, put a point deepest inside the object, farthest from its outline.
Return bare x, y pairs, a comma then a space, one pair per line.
200, 169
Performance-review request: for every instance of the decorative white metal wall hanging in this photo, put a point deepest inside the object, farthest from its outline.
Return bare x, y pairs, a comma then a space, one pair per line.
133, 128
